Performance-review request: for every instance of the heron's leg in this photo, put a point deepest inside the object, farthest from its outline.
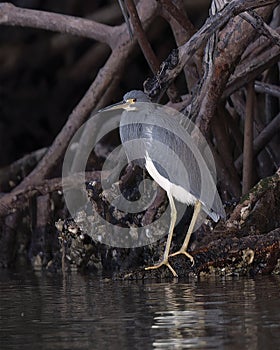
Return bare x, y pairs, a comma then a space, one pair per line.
164, 260
183, 249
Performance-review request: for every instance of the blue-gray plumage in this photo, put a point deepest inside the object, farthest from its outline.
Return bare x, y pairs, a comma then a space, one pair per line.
179, 168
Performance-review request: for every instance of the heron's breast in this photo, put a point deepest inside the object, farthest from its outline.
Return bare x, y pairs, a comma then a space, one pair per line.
177, 191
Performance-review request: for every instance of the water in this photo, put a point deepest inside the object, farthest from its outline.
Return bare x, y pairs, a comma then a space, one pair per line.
40, 311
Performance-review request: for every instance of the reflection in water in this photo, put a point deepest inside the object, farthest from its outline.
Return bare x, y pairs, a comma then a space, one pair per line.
187, 329
220, 313
81, 312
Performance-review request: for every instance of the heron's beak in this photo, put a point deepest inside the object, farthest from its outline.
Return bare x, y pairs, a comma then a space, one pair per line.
120, 105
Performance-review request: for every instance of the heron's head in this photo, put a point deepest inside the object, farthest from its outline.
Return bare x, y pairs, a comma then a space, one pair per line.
136, 96
129, 99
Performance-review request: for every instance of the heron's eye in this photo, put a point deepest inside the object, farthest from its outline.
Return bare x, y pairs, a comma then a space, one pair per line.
131, 100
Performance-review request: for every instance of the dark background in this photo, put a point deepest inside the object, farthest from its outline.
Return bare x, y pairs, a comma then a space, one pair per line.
43, 74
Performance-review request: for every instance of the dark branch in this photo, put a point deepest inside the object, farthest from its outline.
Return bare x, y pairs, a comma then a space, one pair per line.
15, 16
185, 52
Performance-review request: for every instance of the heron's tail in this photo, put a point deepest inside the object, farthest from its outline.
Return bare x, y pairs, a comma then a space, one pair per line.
213, 214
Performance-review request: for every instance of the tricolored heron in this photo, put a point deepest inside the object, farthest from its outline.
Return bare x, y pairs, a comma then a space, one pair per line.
176, 186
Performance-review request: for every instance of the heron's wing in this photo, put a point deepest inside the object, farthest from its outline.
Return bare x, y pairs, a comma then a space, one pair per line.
174, 153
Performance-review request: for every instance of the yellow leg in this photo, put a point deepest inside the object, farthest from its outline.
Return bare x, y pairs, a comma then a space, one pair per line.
164, 260
184, 247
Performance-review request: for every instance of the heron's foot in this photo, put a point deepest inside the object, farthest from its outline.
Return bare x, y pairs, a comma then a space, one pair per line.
163, 262
182, 251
